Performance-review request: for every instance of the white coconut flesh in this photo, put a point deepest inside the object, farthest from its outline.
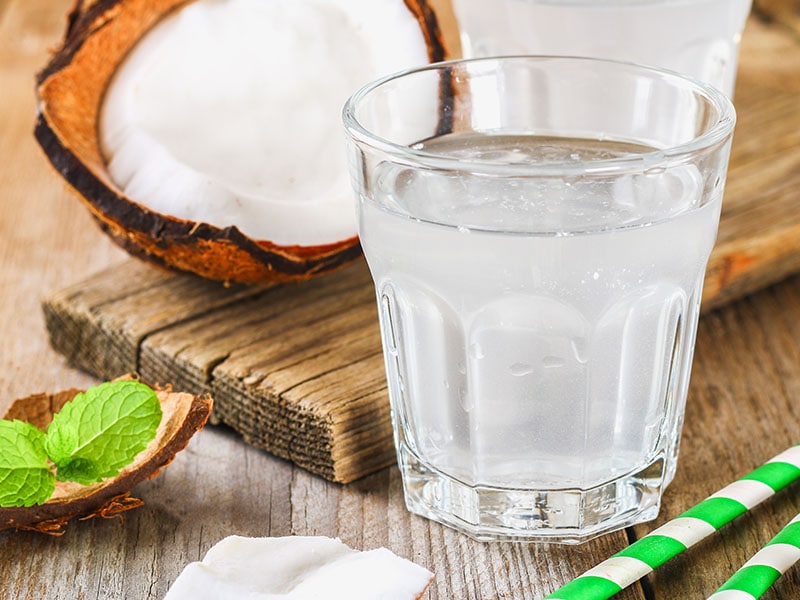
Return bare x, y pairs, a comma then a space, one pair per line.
298, 568
228, 111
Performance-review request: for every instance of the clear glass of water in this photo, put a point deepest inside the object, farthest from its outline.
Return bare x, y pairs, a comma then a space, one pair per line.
537, 229
696, 37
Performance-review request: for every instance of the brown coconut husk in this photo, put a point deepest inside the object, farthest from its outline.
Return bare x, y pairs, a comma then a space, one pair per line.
183, 415
70, 90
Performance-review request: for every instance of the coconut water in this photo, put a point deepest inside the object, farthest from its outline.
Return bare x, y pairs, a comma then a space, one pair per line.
538, 331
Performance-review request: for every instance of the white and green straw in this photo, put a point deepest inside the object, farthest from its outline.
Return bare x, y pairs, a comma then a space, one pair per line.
653, 550
767, 565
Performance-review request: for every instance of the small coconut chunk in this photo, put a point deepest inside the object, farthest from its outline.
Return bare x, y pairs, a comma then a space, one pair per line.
228, 111
298, 568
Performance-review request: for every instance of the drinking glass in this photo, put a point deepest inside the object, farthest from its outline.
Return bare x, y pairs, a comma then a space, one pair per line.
696, 37
537, 229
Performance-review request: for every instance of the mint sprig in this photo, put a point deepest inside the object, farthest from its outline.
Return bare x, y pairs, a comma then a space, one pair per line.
25, 476
95, 435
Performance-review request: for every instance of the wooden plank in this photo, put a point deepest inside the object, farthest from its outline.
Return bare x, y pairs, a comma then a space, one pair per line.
759, 233
102, 321
296, 369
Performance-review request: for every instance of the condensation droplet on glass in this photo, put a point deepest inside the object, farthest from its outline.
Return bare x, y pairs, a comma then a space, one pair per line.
465, 399
595, 275
475, 351
436, 438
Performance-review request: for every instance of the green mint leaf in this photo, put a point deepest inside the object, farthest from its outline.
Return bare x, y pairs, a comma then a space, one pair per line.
25, 475
102, 430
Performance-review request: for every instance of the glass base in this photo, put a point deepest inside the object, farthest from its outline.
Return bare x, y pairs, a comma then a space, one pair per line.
566, 516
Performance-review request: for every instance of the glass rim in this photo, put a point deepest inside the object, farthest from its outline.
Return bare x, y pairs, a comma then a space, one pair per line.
612, 3
718, 133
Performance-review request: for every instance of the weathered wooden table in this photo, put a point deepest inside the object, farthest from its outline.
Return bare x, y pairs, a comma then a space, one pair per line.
743, 406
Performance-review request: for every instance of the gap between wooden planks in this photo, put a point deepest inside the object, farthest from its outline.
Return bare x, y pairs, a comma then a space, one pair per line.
297, 369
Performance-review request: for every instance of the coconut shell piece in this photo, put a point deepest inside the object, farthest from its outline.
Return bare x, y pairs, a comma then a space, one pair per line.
183, 415
70, 90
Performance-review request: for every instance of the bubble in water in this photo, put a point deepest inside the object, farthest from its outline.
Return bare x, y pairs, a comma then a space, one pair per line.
553, 362
436, 438
465, 399
655, 171
520, 369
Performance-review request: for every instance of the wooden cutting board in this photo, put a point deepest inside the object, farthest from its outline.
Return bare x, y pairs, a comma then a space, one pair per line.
297, 369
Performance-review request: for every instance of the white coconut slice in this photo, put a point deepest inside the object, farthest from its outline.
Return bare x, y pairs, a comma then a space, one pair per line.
298, 568
227, 112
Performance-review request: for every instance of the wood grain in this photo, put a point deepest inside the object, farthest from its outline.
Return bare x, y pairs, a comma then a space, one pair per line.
742, 409
782, 12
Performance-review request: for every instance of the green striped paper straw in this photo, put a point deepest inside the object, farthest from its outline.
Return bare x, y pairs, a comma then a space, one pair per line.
653, 550
767, 565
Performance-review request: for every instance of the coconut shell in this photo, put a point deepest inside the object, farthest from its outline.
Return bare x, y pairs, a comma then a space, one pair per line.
70, 90
183, 415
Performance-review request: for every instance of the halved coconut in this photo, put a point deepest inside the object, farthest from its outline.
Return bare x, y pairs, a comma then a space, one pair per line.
206, 136
183, 415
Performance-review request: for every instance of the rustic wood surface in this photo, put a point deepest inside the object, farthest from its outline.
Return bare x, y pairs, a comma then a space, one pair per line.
742, 407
